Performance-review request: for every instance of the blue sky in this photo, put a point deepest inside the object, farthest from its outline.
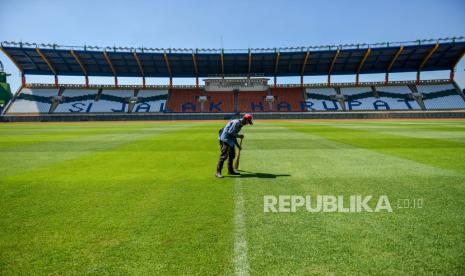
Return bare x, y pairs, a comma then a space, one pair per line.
239, 24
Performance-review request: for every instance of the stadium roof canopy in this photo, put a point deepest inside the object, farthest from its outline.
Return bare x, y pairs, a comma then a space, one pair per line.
41, 59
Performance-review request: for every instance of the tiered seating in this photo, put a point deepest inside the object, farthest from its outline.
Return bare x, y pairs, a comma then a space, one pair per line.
435, 88
441, 96
394, 97
219, 102
119, 93
184, 100
77, 100
26, 106
253, 101
109, 106
288, 99
397, 97
394, 89
187, 100
362, 98
113, 101
318, 99
151, 101
33, 101
40, 92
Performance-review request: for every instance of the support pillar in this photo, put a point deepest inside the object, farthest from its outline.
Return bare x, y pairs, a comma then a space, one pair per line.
87, 81
116, 81
386, 79
418, 77
56, 80
452, 75
23, 80
143, 82
329, 80
301, 81
171, 82
274, 81
357, 77
197, 82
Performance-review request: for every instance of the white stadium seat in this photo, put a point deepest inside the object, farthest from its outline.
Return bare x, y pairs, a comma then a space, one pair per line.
382, 103
322, 91
90, 106
399, 104
348, 91
150, 106
316, 104
361, 104
434, 88
151, 93
441, 102
40, 92
322, 105
30, 105
26, 106
366, 104
447, 102
394, 89
108, 106
119, 93
76, 106
79, 92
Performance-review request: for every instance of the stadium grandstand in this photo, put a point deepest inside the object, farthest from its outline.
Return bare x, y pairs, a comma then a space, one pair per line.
5, 92
236, 81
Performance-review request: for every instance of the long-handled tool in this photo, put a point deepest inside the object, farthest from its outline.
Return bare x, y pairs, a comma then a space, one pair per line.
236, 162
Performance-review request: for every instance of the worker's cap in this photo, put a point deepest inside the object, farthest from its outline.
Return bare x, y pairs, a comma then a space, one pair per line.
248, 118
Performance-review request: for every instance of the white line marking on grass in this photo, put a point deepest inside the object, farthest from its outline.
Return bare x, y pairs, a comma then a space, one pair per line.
241, 263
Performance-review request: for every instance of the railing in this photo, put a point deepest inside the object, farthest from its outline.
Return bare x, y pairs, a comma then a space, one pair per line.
221, 50
167, 87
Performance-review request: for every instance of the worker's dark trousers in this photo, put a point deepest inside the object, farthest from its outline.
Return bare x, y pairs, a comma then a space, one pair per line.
227, 152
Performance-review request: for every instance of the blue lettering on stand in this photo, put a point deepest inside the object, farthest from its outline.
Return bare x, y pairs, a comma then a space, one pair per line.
253, 106
215, 106
379, 103
143, 107
406, 101
80, 107
123, 107
162, 105
305, 106
188, 106
284, 105
352, 104
335, 107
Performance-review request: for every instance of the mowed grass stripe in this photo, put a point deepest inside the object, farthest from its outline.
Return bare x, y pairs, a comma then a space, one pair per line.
303, 243
123, 210
444, 130
435, 152
241, 262
37, 147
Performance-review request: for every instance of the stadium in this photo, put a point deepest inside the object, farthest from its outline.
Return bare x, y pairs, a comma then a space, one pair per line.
340, 158
237, 81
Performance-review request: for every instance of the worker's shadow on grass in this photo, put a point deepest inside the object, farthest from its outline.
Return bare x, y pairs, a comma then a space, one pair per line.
246, 174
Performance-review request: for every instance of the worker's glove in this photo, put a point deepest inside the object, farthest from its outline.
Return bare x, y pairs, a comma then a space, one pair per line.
241, 136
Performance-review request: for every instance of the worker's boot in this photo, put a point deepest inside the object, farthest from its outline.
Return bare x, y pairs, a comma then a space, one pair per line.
231, 169
219, 168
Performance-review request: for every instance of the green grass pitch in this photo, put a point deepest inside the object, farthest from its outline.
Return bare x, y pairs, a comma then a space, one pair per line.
141, 198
